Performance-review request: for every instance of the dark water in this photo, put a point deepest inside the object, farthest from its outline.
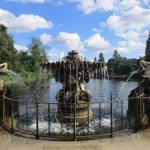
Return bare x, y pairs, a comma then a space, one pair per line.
100, 89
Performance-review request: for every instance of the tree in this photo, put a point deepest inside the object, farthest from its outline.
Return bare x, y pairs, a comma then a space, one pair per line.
116, 55
37, 54
147, 50
8, 52
95, 59
101, 57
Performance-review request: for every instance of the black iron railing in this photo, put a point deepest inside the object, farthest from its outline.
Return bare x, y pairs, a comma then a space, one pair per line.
40, 119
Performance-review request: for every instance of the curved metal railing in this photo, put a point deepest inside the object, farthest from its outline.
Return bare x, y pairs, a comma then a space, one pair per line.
40, 119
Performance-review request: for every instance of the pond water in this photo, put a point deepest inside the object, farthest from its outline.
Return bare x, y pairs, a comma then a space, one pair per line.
100, 89
100, 123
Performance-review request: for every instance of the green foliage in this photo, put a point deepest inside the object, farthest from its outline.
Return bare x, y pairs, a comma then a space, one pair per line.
37, 54
26, 63
121, 66
7, 51
95, 59
101, 57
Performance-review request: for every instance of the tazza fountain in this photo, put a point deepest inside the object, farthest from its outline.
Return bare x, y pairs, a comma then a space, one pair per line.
73, 73
73, 116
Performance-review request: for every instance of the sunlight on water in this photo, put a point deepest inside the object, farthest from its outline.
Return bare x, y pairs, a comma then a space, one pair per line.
57, 128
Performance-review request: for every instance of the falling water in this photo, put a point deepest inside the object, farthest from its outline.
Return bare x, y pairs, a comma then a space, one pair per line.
23, 88
25, 93
126, 83
41, 85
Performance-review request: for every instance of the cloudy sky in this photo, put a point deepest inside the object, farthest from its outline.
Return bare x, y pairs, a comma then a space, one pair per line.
88, 26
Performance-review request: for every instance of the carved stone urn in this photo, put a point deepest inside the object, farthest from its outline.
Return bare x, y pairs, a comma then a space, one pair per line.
73, 99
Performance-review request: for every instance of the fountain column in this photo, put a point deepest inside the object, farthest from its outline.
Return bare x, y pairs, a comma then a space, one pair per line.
73, 98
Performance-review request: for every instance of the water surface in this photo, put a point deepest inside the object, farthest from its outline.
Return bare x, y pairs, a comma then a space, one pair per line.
100, 89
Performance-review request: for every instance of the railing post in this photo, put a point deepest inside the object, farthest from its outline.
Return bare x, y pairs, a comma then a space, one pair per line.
75, 121
3, 111
49, 127
88, 118
100, 117
12, 116
111, 114
37, 121
26, 115
122, 115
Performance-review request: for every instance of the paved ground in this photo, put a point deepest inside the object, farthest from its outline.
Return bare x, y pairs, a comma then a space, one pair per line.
134, 141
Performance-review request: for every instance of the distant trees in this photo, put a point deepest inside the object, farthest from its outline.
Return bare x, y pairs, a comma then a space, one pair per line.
116, 56
7, 50
101, 57
29, 61
147, 50
95, 59
24, 61
37, 54
118, 65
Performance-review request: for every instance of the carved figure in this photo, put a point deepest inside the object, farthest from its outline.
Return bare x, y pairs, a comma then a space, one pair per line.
139, 98
73, 73
3, 68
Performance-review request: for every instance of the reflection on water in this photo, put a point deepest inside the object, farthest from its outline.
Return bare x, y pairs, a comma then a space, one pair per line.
100, 89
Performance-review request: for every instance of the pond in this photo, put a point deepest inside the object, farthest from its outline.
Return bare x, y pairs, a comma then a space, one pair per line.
48, 124
100, 89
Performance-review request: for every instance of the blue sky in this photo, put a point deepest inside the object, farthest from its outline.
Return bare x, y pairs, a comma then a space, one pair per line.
88, 26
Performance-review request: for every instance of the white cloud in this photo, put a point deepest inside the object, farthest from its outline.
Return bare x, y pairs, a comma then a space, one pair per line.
96, 30
89, 6
55, 55
53, 2
20, 48
45, 38
28, 1
96, 42
124, 5
107, 5
134, 35
131, 46
72, 40
131, 35
133, 19
24, 22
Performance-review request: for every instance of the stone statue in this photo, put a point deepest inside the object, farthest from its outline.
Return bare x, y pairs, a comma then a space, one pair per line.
3, 68
139, 98
73, 73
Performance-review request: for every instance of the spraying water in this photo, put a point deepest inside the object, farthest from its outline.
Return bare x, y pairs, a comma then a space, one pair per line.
133, 73
23, 89
24, 92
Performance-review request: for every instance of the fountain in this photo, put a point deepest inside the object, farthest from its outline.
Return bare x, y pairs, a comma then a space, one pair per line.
73, 99
73, 116
3, 68
139, 99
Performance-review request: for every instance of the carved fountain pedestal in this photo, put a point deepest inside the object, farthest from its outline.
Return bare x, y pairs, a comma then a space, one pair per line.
73, 99
139, 99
